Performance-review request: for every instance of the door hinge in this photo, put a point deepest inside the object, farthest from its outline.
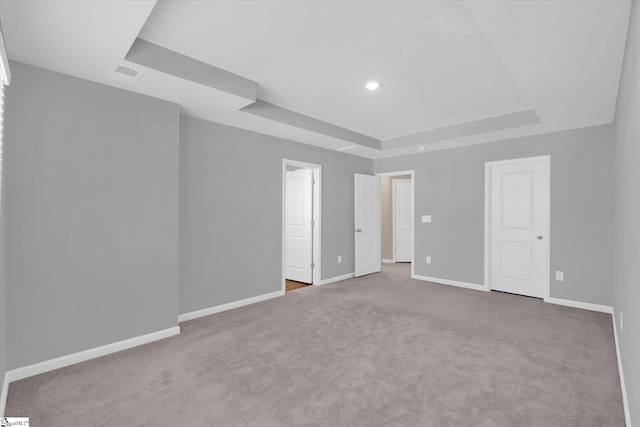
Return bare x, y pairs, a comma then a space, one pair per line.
313, 223
313, 264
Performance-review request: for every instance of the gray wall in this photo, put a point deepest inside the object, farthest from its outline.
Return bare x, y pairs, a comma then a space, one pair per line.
386, 217
3, 336
627, 213
449, 185
231, 211
91, 181
3, 298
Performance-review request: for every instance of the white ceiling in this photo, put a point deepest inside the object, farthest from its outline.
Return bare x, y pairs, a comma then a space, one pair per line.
442, 63
314, 57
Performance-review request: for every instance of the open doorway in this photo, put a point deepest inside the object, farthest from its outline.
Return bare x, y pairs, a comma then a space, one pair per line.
301, 224
397, 216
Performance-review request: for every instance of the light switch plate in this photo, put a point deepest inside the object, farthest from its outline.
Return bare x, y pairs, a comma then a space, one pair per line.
426, 218
428, 259
559, 276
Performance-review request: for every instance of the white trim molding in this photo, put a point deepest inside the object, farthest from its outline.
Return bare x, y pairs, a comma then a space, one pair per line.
623, 387
3, 396
228, 306
81, 356
5, 72
388, 261
336, 279
579, 304
474, 286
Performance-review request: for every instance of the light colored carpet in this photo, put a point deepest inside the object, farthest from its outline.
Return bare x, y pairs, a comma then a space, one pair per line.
381, 350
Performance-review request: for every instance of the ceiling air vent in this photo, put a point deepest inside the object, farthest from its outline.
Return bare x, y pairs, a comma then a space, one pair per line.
125, 73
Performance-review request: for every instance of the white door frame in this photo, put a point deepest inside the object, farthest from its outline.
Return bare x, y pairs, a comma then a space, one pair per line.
317, 218
393, 214
413, 201
488, 166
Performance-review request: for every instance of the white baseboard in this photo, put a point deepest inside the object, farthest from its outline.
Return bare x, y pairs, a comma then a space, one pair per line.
81, 356
465, 285
336, 279
578, 304
625, 401
228, 306
388, 261
3, 396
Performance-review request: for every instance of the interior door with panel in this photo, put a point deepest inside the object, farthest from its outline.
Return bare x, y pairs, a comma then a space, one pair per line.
299, 229
402, 220
520, 227
367, 225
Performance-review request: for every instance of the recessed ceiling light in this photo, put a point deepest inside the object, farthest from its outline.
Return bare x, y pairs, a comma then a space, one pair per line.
372, 85
422, 148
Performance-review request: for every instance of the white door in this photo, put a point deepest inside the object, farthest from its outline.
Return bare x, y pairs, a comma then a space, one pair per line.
367, 224
519, 224
298, 220
402, 220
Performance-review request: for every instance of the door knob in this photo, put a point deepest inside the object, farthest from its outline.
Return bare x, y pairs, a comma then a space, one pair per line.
358, 230
539, 237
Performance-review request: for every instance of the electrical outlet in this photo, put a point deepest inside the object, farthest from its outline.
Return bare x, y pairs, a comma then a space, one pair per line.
621, 321
339, 259
428, 259
559, 276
